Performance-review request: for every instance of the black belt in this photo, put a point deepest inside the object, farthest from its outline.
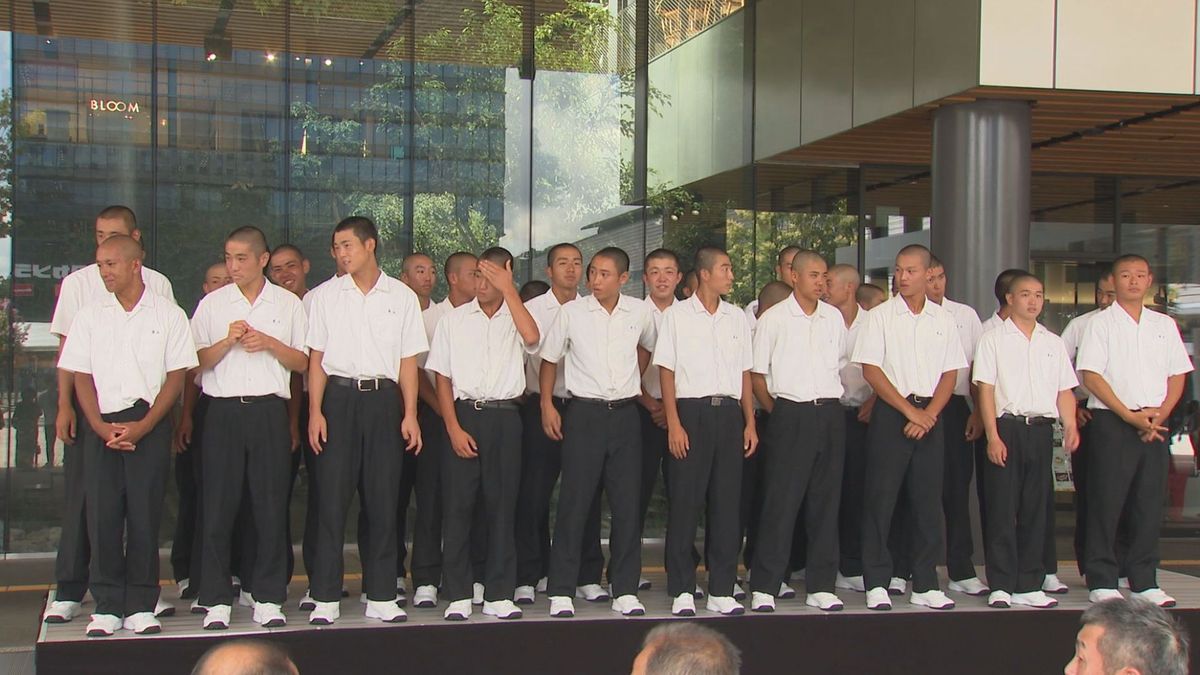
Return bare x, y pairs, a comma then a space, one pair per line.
490, 404
560, 401
818, 402
714, 401
919, 401
605, 403
374, 384
1028, 421
249, 399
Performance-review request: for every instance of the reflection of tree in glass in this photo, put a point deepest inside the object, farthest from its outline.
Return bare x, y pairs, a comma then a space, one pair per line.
6, 162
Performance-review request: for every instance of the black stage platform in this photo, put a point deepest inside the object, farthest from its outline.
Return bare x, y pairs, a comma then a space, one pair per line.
795, 639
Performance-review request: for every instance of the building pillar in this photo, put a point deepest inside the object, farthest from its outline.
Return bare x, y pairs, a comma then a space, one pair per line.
980, 214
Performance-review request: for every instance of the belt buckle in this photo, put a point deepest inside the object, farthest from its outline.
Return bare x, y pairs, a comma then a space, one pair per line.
374, 384
611, 405
715, 401
477, 404
818, 402
1028, 421
243, 399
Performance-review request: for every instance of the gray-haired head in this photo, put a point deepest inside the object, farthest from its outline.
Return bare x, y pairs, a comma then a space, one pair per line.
686, 648
1139, 635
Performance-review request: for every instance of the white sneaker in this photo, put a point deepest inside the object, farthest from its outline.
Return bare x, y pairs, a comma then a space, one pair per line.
477, 590
104, 625
524, 595
542, 584
425, 597
1155, 595
826, 602
629, 605
245, 599
163, 608
502, 609
325, 613
644, 584
591, 593
739, 593
786, 592
307, 604
1052, 584
897, 586
387, 611
62, 611
182, 586
878, 599
362, 598
1102, 594
698, 593
401, 591
198, 608
142, 623
999, 600
934, 599
683, 605
459, 610
1123, 582
762, 602
850, 583
972, 586
561, 607
269, 615
1034, 599
724, 604
217, 617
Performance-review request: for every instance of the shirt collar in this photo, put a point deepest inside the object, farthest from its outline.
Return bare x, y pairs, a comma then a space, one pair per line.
622, 303
793, 305
654, 307
147, 300
698, 306
1123, 315
267, 294
1011, 326
346, 282
473, 307
902, 306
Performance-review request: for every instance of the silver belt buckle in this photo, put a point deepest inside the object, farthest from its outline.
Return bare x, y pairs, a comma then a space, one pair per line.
374, 384
477, 404
715, 401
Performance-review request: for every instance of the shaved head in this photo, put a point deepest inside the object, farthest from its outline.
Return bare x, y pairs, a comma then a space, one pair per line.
124, 246
413, 259
771, 295
245, 657
805, 257
454, 263
844, 273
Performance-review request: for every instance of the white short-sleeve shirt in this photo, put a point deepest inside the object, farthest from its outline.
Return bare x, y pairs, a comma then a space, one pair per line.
1071, 336
84, 287
970, 329
651, 379
598, 349
484, 357
430, 316
913, 350
800, 354
276, 312
1134, 357
366, 335
752, 313
128, 354
856, 391
708, 353
544, 309
992, 321
1028, 373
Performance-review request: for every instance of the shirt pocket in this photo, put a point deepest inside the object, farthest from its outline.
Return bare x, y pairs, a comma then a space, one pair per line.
385, 326
149, 350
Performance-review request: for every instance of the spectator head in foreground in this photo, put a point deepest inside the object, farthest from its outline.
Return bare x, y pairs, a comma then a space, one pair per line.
678, 648
1129, 637
245, 657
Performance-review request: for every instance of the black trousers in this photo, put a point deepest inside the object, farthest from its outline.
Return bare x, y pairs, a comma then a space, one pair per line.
850, 517
74, 549
186, 483
750, 506
363, 454
602, 447
808, 443
541, 465
49, 430
408, 483
492, 478
247, 454
1017, 504
125, 493
655, 458
709, 475
898, 466
427, 529
1124, 476
959, 467
1079, 473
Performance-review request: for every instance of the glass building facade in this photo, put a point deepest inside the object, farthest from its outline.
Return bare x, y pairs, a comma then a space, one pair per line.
457, 125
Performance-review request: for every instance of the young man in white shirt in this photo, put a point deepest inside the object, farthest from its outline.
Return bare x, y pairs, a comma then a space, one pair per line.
128, 354
188, 542
1024, 382
1133, 362
250, 336
962, 428
703, 353
78, 290
478, 354
661, 276
799, 348
601, 341
783, 273
541, 455
910, 352
1000, 290
364, 335
460, 270
1105, 295
857, 400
